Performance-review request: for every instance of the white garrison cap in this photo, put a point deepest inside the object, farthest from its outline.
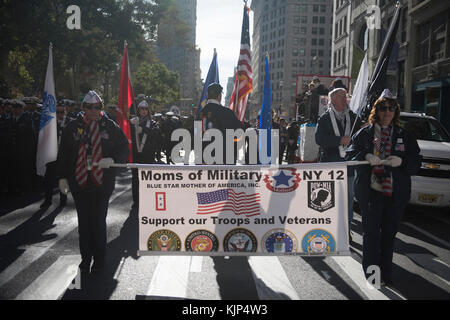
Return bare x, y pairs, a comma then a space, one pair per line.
338, 79
386, 94
143, 104
92, 98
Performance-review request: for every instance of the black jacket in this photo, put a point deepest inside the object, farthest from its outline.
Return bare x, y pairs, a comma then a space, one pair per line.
214, 116
404, 145
114, 145
327, 139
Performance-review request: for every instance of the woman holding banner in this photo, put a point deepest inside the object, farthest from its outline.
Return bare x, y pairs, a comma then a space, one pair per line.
383, 188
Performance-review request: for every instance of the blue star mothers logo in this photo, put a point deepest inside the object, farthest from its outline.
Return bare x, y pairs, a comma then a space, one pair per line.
48, 108
282, 178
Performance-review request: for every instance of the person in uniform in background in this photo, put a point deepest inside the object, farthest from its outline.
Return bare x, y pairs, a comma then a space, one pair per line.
50, 178
22, 152
383, 188
214, 115
333, 134
145, 136
112, 112
293, 131
89, 146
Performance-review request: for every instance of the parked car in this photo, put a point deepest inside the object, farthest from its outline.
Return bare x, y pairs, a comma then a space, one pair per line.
431, 186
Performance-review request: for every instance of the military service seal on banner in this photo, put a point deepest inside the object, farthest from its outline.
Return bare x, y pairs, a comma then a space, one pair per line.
240, 240
279, 241
164, 240
201, 241
321, 195
282, 180
318, 241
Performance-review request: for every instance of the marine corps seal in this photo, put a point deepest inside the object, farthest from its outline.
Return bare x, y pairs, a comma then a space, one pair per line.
164, 240
201, 241
240, 240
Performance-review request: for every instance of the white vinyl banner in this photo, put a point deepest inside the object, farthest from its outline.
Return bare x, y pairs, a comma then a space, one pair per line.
243, 210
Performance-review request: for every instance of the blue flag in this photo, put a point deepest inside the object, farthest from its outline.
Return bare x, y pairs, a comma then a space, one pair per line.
213, 76
265, 117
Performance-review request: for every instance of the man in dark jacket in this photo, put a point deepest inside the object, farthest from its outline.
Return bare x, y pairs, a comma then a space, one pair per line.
89, 145
216, 116
333, 134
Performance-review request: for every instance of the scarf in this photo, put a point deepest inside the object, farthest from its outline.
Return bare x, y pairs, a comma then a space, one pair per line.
344, 118
140, 143
381, 176
90, 138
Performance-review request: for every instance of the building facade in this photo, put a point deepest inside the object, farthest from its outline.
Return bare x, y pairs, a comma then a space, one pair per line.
296, 34
185, 60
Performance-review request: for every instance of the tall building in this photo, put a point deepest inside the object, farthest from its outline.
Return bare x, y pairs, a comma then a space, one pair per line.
297, 36
185, 59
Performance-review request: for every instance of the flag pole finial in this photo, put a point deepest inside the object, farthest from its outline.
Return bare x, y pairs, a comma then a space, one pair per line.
398, 4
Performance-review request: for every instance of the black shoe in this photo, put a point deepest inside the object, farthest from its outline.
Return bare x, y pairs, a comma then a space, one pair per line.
85, 265
46, 204
98, 265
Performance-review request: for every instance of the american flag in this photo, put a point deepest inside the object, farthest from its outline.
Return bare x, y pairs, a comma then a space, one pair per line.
228, 200
243, 79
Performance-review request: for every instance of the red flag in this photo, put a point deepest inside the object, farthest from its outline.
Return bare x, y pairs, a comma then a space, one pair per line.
243, 83
126, 99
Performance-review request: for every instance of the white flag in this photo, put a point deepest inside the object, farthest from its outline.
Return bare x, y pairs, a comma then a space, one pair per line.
47, 149
359, 97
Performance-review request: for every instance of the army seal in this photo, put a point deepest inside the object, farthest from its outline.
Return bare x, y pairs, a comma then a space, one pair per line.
164, 240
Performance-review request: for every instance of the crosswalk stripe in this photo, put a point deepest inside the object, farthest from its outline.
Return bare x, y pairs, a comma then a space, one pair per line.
429, 235
170, 279
354, 270
196, 264
270, 271
52, 284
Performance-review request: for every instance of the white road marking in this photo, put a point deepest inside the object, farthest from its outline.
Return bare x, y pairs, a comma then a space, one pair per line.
354, 270
270, 271
196, 264
429, 235
170, 278
52, 284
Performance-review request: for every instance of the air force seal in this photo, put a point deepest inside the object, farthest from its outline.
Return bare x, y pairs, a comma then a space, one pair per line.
240, 240
201, 241
318, 241
164, 240
321, 195
279, 241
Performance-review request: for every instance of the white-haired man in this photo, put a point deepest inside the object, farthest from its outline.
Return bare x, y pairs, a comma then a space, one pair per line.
333, 135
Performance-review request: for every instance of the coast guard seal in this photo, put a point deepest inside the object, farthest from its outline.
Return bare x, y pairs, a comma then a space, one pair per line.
318, 241
164, 240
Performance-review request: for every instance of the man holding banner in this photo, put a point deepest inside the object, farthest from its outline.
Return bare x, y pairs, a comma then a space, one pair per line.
89, 146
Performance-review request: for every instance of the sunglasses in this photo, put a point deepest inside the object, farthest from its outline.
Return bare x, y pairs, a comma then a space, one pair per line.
88, 107
385, 108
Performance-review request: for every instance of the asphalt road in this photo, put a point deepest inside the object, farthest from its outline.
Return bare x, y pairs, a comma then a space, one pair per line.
39, 254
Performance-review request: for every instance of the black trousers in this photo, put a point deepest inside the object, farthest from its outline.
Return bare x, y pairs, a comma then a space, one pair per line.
92, 208
380, 225
135, 186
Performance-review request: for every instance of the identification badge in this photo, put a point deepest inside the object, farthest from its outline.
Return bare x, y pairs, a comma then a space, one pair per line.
89, 162
342, 151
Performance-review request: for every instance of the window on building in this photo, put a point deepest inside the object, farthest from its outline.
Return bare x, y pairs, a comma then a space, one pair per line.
315, 20
302, 52
314, 42
303, 30
315, 8
314, 30
321, 42
304, 19
322, 20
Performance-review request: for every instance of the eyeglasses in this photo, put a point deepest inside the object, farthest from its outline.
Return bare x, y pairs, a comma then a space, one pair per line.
385, 108
88, 107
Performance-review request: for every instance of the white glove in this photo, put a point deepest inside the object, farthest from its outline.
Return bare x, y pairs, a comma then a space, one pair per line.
63, 186
393, 161
373, 159
134, 120
105, 163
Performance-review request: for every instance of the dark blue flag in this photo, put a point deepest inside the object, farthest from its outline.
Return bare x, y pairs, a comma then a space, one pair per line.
213, 76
